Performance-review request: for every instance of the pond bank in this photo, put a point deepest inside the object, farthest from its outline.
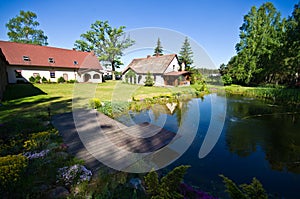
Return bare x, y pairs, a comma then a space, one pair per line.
289, 96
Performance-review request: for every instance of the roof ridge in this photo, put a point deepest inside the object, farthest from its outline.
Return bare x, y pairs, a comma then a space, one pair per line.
39, 46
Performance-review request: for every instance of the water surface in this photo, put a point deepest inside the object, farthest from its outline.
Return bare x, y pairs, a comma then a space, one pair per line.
258, 140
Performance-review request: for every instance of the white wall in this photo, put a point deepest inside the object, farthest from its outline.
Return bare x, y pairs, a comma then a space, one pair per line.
91, 79
28, 72
170, 67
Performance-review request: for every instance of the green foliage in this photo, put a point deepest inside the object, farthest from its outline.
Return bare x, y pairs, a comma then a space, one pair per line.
37, 79
226, 79
44, 80
11, 170
23, 29
108, 43
39, 141
268, 50
186, 54
253, 190
168, 186
32, 79
158, 49
95, 103
72, 81
61, 80
149, 80
130, 74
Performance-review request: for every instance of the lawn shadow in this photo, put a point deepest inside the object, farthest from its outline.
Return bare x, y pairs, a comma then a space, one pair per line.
17, 91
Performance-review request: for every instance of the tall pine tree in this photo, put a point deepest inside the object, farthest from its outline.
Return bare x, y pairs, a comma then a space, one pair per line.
186, 54
159, 49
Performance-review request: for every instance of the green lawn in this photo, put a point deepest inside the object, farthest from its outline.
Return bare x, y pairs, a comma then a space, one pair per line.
25, 106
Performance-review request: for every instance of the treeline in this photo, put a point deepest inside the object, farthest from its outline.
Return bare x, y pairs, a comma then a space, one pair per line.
268, 51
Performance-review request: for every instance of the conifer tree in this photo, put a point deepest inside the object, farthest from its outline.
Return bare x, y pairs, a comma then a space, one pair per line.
159, 49
186, 54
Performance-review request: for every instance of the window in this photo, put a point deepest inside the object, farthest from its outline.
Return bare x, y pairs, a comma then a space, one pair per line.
52, 74
75, 62
173, 67
96, 76
18, 73
36, 74
26, 58
51, 60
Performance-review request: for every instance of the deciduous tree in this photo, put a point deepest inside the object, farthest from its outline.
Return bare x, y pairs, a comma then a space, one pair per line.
107, 42
23, 29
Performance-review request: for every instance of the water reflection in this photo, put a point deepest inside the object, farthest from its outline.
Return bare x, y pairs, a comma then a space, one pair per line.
273, 128
258, 140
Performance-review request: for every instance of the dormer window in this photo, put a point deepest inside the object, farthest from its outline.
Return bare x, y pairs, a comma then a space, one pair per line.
26, 58
75, 62
51, 60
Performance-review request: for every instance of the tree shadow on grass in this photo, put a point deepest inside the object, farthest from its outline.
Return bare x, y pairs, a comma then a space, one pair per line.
17, 91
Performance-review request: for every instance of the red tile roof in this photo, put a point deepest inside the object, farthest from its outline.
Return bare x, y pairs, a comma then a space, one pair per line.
154, 64
39, 56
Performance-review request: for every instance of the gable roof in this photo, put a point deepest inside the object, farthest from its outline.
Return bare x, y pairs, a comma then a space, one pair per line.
154, 64
39, 56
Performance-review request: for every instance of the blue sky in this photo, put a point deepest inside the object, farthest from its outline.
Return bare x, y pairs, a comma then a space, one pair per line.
212, 24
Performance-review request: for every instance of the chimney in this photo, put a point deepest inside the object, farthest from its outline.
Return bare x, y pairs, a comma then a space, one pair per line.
182, 66
148, 56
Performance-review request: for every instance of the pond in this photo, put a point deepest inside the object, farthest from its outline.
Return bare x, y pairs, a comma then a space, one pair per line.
257, 140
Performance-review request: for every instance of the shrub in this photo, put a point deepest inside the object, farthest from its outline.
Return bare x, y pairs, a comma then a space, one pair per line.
44, 80
61, 80
38, 141
168, 186
11, 169
32, 79
95, 103
149, 80
226, 79
72, 81
37, 79
245, 191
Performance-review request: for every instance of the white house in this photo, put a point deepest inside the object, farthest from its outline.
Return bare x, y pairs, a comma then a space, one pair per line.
164, 69
21, 61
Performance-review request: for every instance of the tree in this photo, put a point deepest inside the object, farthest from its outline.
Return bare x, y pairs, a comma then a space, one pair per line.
23, 29
292, 47
107, 42
186, 54
260, 41
158, 49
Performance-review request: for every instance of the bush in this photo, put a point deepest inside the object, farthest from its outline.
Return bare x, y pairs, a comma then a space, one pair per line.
72, 81
32, 79
44, 80
38, 141
11, 169
61, 80
37, 79
149, 80
167, 186
95, 103
226, 79
245, 191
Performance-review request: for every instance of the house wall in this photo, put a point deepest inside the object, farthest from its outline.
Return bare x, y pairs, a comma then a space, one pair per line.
3, 77
174, 63
141, 78
68, 74
90, 76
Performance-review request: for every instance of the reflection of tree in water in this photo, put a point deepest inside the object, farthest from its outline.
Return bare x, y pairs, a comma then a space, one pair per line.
275, 131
